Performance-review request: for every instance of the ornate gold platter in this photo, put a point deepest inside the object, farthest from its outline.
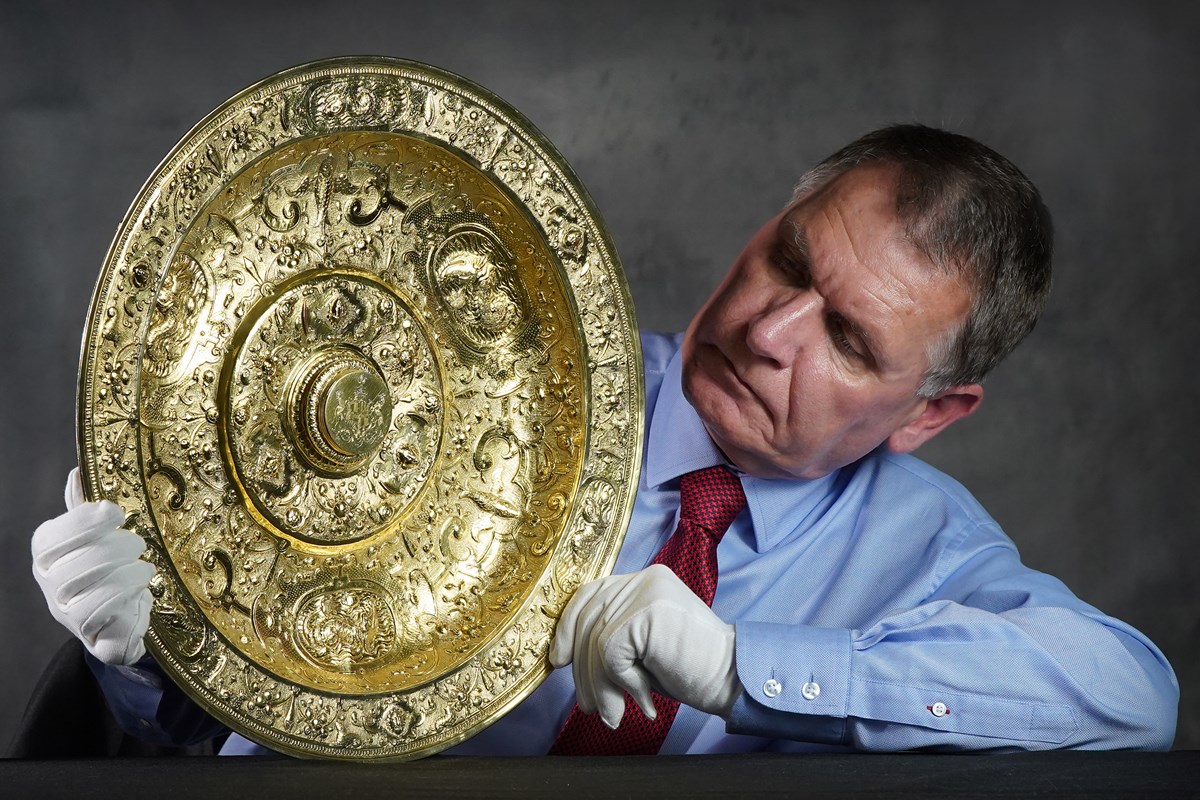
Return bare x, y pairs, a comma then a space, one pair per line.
362, 369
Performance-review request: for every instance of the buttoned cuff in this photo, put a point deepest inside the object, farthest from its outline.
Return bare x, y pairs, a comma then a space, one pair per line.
795, 668
148, 707
796, 682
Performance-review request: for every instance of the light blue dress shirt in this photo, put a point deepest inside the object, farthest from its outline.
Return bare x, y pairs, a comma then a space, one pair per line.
876, 608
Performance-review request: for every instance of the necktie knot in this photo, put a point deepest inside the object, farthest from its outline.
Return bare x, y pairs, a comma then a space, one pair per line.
711, 498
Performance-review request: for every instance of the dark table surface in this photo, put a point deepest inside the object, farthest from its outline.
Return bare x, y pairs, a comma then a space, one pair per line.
1092, 775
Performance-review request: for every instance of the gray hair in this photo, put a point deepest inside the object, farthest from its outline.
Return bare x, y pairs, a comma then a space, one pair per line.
974, 215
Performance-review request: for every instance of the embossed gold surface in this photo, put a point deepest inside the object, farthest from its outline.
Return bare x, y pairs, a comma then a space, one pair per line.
362, 369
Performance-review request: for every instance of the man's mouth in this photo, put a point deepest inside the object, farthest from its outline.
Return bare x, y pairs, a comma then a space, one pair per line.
730, 374
723, 371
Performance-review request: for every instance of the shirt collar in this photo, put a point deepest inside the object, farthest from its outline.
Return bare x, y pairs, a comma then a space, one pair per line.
678, 444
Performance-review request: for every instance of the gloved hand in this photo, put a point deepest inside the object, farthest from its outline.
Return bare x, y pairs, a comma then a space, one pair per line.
643, 631
93, 580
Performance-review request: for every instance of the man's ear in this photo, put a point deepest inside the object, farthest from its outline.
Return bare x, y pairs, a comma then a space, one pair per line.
936, 414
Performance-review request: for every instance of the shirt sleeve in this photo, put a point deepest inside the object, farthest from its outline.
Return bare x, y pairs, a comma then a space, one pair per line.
999, 657
148, 706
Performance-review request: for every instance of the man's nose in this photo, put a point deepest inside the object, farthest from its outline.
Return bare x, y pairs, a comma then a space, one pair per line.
780, 330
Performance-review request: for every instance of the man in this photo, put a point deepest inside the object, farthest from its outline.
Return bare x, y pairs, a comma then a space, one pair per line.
859, 598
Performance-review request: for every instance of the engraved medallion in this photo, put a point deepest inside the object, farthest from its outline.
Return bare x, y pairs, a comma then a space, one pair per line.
362, 369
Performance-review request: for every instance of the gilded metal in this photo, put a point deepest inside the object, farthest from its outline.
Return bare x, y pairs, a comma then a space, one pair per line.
362, 369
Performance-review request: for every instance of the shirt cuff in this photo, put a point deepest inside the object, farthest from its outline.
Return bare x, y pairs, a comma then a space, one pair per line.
144, 672
150, 708
796, 669
795, 680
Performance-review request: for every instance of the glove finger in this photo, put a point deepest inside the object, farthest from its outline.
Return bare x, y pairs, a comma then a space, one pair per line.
563, 646
585, 624
587, 671
610, 700
637, 683
106, 612
73, 493
607, 603
116, 602
621, 642
588, 656
115, 547
89, 610
576, 636
77, 574
74, 530
121, 628
110, 652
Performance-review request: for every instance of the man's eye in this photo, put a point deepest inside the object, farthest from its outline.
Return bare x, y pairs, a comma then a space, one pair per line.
843, 343
796, 270
837, 332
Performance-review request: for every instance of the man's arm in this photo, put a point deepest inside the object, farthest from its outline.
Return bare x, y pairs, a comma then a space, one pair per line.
148, 706
999, 657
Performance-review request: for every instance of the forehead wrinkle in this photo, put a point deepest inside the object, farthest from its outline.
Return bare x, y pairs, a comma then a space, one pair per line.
889, 297
896, 293
927, 274
847, 311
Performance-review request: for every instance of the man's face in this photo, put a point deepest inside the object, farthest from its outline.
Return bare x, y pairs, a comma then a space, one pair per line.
810, 352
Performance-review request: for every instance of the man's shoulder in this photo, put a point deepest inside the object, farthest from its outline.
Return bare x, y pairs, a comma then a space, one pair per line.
916, 512
901, 480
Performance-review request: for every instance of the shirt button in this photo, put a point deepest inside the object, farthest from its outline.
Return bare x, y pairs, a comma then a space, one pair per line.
939, 709
772, 688
810, 690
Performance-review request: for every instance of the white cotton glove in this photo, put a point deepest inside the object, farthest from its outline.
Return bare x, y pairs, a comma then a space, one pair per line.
643, 631
93, 580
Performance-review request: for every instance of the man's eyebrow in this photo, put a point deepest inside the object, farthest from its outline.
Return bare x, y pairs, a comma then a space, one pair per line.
798, 240
798, 244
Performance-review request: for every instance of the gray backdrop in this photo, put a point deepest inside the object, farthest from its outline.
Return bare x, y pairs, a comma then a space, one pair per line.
688, 122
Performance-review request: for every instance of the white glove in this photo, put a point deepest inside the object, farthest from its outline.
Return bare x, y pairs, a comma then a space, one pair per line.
93, 580
643, 631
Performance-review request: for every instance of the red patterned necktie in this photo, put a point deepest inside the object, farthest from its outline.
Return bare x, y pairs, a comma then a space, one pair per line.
709, 499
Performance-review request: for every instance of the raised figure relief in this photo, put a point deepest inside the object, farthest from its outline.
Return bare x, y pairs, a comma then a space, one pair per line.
177, 308
473, 277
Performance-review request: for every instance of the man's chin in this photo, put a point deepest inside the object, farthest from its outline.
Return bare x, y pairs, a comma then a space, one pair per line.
745, 458
754, 461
